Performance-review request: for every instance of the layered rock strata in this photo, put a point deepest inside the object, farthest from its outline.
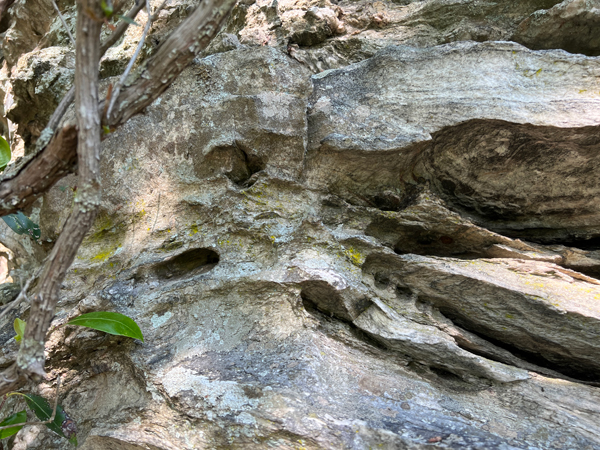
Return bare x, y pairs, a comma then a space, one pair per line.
396, 253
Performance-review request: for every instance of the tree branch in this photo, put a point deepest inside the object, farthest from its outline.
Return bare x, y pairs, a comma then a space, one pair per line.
191, 37
117, 87
58, 157
66, 101
22, 296
181, 47
30, 360
62, 19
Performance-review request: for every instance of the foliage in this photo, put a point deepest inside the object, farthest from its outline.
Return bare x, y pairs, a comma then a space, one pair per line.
19, 326
63, 425
109, 322
5, 153
21, 224
20, 417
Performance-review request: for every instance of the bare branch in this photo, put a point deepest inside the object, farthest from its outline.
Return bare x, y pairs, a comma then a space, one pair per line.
64, 104
158, 10
121, 82
21, 189
121, 28
22, 296
58, 157
181, 47
62, 19
30, 359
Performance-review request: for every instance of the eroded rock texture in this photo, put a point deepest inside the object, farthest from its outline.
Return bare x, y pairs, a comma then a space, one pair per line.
349, 225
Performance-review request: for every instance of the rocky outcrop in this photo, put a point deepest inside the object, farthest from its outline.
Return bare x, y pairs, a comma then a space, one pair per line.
571, 25
491, 135
397, 253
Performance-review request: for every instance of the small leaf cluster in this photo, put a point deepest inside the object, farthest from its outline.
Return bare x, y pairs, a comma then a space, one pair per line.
19, 222
62, 424
106, 321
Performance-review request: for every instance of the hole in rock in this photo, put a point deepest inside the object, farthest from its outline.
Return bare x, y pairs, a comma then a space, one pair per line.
424, 242
194, 261
591, 244
324, 297
550, 236
356, 332
446, 375
565, 367
395, 201
236, 162
5, 22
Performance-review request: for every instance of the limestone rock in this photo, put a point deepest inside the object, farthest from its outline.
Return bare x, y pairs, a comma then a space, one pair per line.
484, 123
42, 79
333, 34
571, 25
341, 260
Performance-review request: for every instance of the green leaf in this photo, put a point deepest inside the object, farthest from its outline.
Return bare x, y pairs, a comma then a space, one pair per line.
21, 224
128, 20
12, 220
20, 417
4, 153
43, 411
19, 326
107, 8
109, 322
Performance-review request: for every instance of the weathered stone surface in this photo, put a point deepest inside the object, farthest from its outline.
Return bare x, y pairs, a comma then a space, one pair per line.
30, 21
42, 79
490, 297
571, 25
383, 125
340, 261
329, 35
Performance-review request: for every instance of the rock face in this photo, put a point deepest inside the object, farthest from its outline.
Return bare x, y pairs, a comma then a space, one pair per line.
398, 253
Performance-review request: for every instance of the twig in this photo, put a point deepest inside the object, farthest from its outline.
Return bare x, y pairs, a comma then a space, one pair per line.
157, 211
158, 10
62, 19
22, 295
58, 158
117, 87
50, 420
121, 28
173, 55
62, 107
30, 359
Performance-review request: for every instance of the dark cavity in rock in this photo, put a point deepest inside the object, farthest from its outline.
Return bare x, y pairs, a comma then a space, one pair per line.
194, 261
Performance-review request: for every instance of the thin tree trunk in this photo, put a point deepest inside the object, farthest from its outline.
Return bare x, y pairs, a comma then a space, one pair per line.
54, 161
30, 360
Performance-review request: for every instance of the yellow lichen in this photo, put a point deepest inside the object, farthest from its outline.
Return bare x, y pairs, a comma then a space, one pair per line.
354, 256
104, 255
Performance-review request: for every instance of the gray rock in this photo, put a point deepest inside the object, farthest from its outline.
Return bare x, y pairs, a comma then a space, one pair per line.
571, 25
490, 119
340, 261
